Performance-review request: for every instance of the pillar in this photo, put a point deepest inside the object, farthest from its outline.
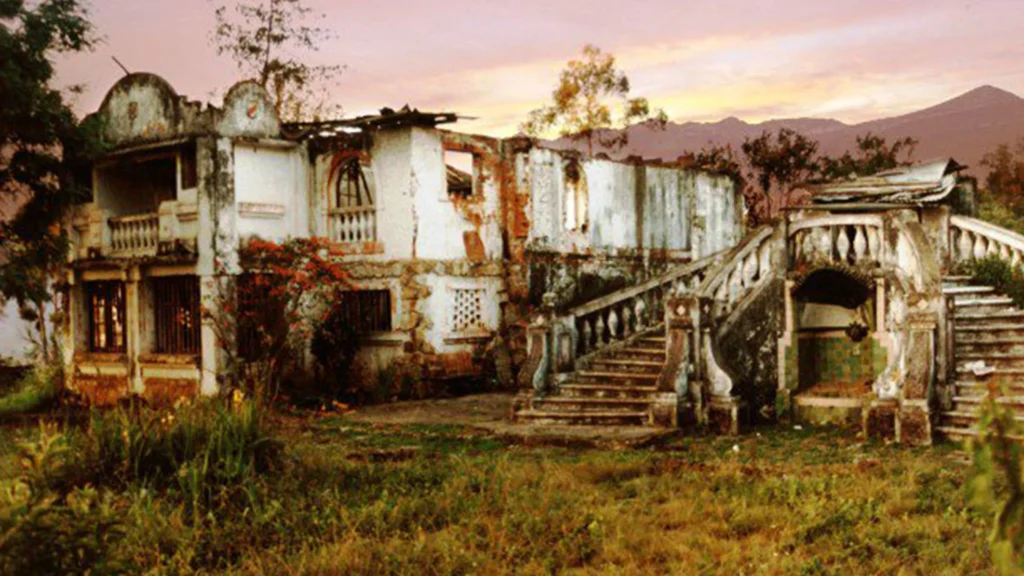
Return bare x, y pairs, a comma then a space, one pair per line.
133, 338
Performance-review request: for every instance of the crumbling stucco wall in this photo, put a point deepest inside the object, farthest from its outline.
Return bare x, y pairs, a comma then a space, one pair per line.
270, 191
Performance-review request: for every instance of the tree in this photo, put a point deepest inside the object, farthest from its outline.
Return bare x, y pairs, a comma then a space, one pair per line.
1005, 181
874, 155
583, 100
44, 152
284, 292
259, 35
775, 163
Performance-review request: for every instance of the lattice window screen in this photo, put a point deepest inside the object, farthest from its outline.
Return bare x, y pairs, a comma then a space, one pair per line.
467, 309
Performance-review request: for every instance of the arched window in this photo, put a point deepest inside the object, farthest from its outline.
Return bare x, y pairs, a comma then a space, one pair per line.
353, 184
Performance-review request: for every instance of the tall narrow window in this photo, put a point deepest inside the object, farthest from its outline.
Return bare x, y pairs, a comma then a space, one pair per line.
106, 316
577, 198
176, 302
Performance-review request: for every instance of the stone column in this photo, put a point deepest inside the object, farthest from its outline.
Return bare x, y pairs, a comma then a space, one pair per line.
209, 348
788, 356
678, 401
913, 421
133, 321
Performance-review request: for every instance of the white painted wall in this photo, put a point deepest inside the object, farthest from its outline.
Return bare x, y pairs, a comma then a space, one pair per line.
275, 179
631, 206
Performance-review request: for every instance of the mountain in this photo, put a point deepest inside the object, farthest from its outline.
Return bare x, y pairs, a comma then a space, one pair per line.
966, 128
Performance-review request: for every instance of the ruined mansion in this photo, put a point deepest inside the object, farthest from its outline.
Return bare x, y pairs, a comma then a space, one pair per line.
625, 293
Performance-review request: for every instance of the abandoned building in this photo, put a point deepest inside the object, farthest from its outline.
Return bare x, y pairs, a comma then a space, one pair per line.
451, 240
609, 292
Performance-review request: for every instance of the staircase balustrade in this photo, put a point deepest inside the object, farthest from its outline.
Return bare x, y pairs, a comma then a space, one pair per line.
745, 268
135, 234
972, 239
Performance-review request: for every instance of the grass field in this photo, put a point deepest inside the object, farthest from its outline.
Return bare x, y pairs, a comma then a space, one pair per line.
351, 498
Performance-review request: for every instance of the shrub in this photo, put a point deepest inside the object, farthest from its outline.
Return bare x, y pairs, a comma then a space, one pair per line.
44, 531
36, 392
992, 271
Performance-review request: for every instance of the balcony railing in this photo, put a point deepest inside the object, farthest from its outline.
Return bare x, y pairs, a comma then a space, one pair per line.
135, 234
354, 225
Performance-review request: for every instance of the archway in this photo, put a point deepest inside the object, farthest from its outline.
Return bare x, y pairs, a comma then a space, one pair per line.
838, 343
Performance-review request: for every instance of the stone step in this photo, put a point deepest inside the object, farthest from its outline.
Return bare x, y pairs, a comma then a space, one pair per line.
978, 301
574, 390
965, 432
639, 351
563, 404
1004, 375
996, 359
991, 344
975, 388
651, 340
548, 418
967, 290
957, 280
975, 401
615, 377
962, 415
635, 367
996, 326
974, 318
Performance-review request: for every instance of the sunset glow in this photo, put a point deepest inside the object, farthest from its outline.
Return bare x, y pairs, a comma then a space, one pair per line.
700, 60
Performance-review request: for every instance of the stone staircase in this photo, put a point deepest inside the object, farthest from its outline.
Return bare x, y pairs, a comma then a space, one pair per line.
615, 388
990, 329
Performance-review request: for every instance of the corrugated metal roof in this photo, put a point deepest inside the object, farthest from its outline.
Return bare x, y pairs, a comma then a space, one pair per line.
921, 183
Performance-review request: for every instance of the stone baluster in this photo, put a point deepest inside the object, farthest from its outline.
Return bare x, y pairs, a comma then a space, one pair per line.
860, 244
843, 244
965, 245
640, 313
764, 260
807, 246
874, 243
613, 325
979, 247
599, 327
825, 243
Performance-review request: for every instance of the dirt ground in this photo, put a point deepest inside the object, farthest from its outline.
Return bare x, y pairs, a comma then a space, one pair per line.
491, 413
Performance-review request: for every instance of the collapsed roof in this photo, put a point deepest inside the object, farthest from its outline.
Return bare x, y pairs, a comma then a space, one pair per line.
920, 184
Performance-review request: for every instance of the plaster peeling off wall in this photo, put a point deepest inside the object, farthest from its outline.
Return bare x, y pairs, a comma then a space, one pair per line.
270, 192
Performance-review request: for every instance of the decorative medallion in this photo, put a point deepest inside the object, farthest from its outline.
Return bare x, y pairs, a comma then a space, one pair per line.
253, 110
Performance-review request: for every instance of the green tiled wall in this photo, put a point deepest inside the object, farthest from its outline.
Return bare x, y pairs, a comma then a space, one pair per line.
839, 360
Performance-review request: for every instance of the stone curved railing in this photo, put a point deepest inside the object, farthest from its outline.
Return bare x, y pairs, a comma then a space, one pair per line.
621, 314
972, 239
839, 239
742, 270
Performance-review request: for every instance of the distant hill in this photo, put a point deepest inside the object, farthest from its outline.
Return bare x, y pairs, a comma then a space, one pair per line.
966, 128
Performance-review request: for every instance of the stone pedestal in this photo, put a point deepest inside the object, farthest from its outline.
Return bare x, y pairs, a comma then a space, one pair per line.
913, 423
666, 408
879, 419
727, 415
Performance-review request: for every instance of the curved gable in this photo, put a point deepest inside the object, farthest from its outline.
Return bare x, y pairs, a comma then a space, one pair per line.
142, 108
249, 112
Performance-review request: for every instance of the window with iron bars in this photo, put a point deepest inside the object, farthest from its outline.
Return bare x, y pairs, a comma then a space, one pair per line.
105, 303
176, 311
367, 311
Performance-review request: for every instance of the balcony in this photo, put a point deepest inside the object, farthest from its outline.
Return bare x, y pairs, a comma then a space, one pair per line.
172, 229
355, 225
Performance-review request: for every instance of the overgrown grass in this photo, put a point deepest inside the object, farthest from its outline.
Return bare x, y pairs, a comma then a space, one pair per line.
35, 393
349, 498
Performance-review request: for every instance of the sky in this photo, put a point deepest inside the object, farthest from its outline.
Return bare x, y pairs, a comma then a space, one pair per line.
495, 60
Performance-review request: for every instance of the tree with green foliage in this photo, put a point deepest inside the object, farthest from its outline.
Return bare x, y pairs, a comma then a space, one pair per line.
44, 153
261, 36
582, 104
874, 154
